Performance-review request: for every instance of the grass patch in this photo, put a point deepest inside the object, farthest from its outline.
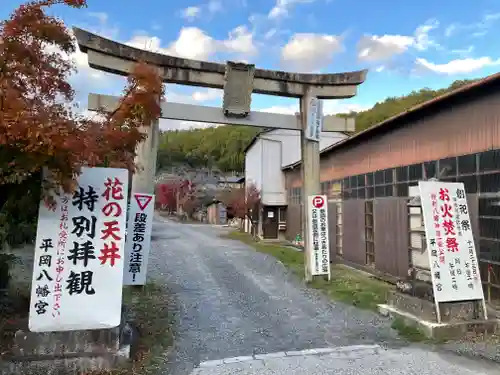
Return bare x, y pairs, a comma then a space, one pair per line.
347, 285
290, 258
407, 332
150, 306
354, 287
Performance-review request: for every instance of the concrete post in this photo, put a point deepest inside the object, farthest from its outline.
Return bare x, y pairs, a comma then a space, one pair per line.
143, 179
310, 177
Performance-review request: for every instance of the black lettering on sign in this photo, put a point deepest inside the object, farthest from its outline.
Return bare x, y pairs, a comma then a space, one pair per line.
84, 224
80, 282
46, 244
88, 198
83, 252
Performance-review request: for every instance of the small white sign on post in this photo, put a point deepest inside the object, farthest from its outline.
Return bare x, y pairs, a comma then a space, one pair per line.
140, 226
78, 267
314, 119
450, 242
318, 234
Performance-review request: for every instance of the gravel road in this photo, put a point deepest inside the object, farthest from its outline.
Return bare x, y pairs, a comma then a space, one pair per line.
231, 301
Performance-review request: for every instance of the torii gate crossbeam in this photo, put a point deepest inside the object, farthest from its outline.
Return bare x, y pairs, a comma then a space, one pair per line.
110, 56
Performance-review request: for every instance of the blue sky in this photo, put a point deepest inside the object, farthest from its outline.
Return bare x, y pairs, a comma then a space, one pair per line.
405, 45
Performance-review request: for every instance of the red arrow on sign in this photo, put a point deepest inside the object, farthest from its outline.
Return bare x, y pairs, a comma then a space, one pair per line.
143, 200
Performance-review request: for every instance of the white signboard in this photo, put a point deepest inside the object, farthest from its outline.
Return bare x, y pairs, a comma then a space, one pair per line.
318, 234
450, 243
78, 267
314, 119
139, 228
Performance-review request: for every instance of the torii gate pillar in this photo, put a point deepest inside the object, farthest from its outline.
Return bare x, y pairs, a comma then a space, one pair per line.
239, 81
143, 179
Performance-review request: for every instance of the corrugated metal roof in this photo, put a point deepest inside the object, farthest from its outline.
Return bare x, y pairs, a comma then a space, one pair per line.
396, 120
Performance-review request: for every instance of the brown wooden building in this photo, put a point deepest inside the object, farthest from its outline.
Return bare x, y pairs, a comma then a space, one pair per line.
455, 137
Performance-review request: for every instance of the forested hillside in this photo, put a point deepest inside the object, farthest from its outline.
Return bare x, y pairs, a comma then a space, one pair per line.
223, 146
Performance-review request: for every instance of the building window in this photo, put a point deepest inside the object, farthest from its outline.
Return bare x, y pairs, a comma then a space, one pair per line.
282, 215
467, 164
402, 174
447, 168
383, 183
430, 169
415, 172
361, 180
489, 183
489, 161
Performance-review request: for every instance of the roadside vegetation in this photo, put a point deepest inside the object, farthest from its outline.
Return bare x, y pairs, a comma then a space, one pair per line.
150, 307
347, 285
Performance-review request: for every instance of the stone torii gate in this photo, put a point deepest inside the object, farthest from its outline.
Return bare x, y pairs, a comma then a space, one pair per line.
238, 81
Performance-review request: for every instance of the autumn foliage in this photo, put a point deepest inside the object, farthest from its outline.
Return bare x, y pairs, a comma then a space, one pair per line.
38, 126
240, 201
166, 195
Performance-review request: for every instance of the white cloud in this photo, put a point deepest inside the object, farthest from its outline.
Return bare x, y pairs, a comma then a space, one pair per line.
101, 16
282, 8
309, 52
476, 29
379, 48
191, 13
194, 43
197, 96
459, 66
330, 107
463, 51
422, 40
240, 41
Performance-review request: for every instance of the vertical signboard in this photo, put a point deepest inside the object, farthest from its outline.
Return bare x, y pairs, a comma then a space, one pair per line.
79, 250
139, 228
314, 119
450, 243
318, 234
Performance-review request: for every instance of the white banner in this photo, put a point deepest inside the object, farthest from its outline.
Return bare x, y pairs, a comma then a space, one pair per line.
450, 242
318, 234
78, 267
314, 119
139, 228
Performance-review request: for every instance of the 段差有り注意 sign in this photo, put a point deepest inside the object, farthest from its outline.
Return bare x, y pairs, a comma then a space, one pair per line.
139, 228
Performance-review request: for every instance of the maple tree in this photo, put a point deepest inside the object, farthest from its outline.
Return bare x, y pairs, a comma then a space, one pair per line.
241, 200
39, 126
166, 195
